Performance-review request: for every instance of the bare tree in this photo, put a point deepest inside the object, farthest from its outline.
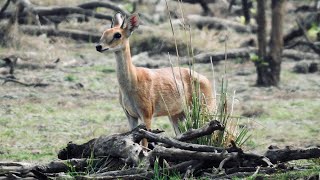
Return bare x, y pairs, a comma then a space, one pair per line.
269, 63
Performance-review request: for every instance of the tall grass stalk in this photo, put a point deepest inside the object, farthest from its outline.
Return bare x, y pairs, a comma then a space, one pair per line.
197, 115
162, 172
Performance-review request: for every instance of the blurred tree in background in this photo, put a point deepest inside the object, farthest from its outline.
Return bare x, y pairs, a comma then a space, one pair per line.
269, 63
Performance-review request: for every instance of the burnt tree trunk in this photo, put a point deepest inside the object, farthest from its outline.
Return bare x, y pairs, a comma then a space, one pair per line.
246, 10
276, 41
269, 66
262, 42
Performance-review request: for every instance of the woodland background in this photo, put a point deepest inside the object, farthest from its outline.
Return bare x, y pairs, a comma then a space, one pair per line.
56, 88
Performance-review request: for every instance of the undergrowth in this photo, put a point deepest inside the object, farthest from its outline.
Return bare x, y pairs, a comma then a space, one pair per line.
197, 115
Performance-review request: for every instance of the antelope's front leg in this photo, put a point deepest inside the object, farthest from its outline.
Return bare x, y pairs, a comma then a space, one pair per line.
147, 122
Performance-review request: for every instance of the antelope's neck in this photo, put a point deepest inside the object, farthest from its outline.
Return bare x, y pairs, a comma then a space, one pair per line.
126, 71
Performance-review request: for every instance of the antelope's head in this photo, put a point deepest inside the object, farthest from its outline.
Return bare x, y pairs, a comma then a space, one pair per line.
114, 39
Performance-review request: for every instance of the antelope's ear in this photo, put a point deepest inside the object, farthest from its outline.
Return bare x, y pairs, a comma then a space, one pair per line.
132, 24
117, 20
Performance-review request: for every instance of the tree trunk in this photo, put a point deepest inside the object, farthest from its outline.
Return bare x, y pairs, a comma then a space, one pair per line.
262, 42
276, 41
246, 10
269, 66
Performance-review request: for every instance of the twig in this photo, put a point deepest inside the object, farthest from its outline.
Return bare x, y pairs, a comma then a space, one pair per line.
310, 43
5, 6
23, 83
256, 172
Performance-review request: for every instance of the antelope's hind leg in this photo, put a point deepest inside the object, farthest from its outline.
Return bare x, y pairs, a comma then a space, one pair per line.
175, 119
133, 121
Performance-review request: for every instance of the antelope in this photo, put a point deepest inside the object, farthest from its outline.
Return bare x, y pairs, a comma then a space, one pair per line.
147, 93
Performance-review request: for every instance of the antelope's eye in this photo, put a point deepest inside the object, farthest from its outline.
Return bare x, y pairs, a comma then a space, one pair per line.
117, 35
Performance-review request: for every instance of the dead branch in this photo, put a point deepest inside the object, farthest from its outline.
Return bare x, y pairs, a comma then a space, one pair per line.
297, 32
6, 80
173, 154
178, 144
119, 145
208, 129
64, 166
304, 31
218, 23
218, 56
311, 45
288, 154
182, 167
4, 7
143, 175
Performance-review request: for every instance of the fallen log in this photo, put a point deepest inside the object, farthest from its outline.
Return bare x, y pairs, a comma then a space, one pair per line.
218, 23
104, 4
230, 54
299, 55
119, 145
244, 53
311, 45
174, 154
219, 160
182, 145
287, 154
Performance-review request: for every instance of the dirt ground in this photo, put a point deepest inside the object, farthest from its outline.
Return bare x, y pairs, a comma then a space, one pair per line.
81, 100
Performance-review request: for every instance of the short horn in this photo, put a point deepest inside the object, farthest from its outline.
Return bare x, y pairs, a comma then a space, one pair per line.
112, 23
124, 19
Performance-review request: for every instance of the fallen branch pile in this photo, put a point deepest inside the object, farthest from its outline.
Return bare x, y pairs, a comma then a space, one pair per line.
121, 156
